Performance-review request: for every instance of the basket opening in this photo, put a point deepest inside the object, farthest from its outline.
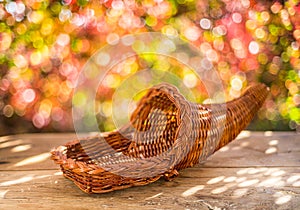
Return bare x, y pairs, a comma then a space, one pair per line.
152, 130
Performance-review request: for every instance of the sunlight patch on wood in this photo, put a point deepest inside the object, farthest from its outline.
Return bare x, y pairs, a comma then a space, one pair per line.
11, 143
236, 148
215, 180
192, 190
296, 184
293, 178
224, 149
230, 179
271, 182
34, 159
253, 171
243, 134
4, 138
59, 173
282, 198
240, 179
271, 150
3, 193
21, 148
219, 190
268, 133
16, 181
42, 176
154, 196
240, 192
270, 171
242, 171
248, 183
245, 144
273, 142
278, 173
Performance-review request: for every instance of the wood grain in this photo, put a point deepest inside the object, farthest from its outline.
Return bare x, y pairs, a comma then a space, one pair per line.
257, 171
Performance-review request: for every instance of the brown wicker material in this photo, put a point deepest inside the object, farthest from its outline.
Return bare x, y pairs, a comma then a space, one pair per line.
167, 133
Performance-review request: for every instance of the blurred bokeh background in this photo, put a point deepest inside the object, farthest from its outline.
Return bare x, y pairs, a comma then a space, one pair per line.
44, 45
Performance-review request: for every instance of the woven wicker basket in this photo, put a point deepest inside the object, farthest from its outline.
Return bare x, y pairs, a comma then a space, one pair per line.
167, 133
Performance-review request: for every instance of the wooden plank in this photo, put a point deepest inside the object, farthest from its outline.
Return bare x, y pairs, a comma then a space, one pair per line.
196, 188
250, 149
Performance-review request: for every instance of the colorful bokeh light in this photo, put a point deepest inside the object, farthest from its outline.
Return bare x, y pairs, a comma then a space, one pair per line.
44, 45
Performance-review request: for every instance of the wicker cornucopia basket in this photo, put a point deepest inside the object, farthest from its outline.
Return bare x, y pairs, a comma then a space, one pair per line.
167, 133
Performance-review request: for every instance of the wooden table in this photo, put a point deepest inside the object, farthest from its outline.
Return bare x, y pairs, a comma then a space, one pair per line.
260, 170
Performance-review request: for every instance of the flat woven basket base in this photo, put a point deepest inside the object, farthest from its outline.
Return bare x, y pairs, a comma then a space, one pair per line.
166, 133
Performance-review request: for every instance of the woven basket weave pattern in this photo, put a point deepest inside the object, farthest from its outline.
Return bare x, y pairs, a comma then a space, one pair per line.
167, 133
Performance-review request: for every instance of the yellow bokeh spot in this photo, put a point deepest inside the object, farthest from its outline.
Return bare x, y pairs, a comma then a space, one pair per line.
45, 108
112, 81
265, 16
273, 39
106, 108
169, 31
35, 58
8, 111
138, 46
276, 7
236, 44
251, 25
236, 84
5, 41
38, 42
44, 51
79, 99
21, 29
47, 27
260, 33
262, 58
151, 21
296, 34
291, 10
273, 68
162, 65
36, 17
20, 61
190, 80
